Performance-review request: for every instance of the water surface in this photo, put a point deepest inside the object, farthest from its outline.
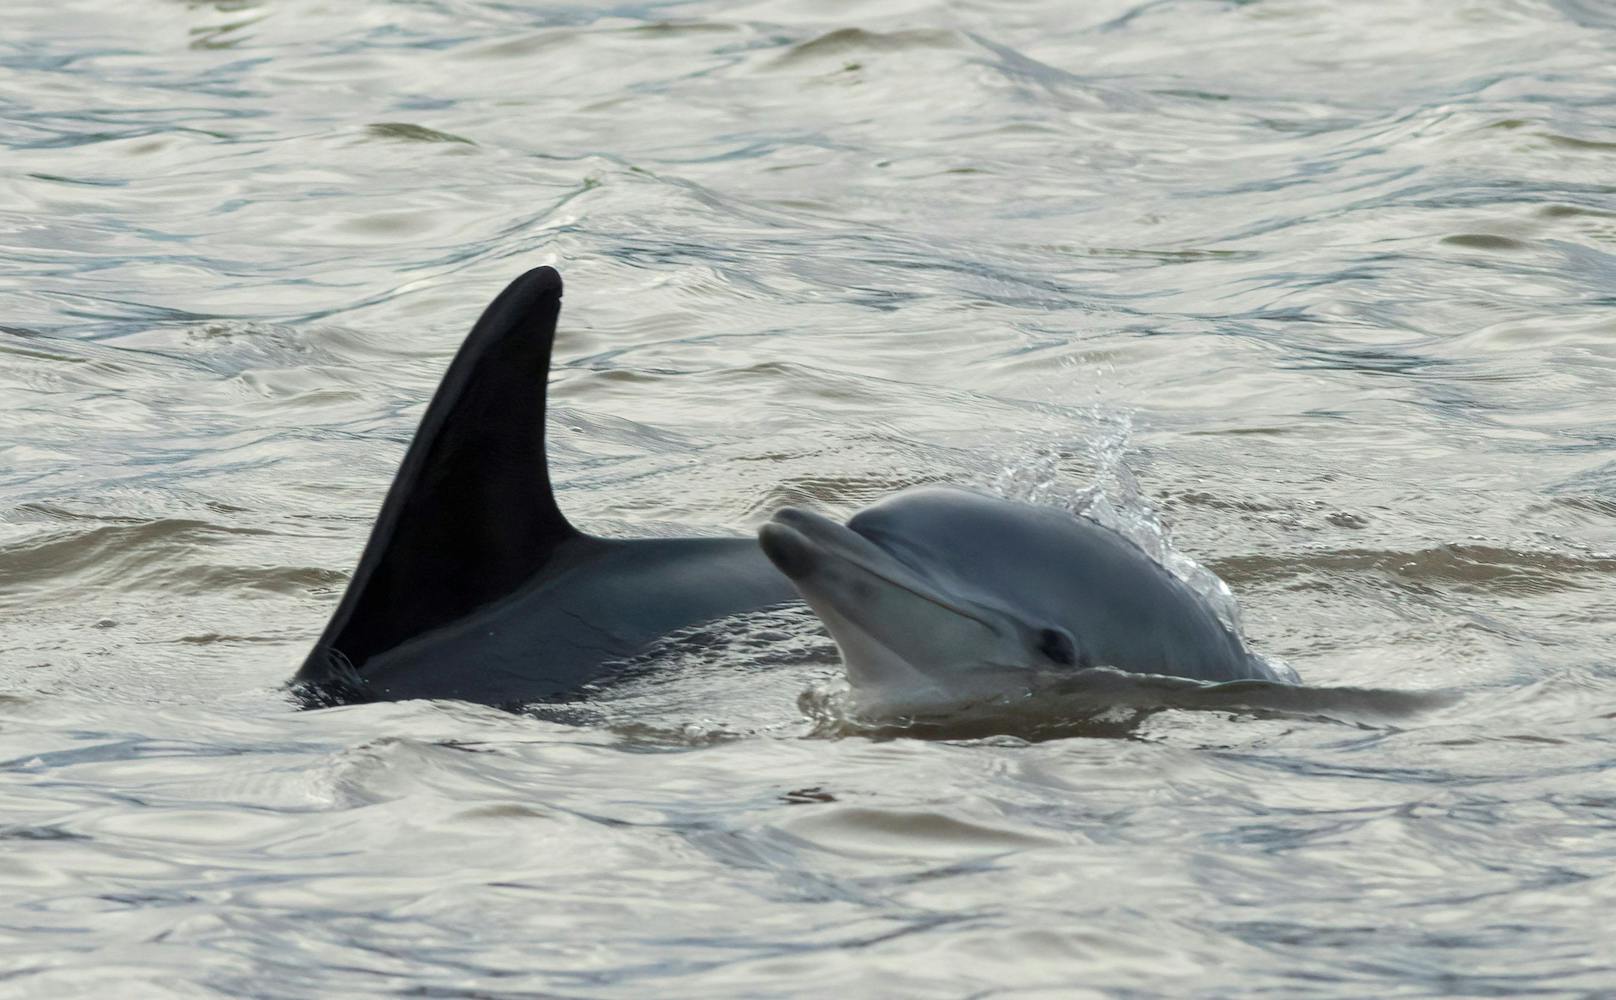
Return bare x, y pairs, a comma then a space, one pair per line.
1327, 290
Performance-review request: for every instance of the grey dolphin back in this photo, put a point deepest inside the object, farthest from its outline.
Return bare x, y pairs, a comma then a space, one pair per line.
470, 516
473, 585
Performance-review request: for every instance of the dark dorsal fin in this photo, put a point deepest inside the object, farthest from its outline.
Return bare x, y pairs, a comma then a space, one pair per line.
470, 516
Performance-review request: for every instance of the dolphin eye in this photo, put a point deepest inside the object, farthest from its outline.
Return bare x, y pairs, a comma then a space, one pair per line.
1056, 646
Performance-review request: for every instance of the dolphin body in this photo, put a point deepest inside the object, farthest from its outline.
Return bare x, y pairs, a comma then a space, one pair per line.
938, 596
473, 585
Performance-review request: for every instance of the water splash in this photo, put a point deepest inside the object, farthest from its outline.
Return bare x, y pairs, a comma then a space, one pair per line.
1113, 497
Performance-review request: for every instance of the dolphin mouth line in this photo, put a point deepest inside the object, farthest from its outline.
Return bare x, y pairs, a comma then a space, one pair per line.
830, 539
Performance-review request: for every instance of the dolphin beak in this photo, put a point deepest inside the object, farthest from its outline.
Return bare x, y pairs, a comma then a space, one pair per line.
791, 552
801, 544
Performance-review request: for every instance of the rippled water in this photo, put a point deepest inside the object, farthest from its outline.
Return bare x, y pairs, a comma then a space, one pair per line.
1330, 289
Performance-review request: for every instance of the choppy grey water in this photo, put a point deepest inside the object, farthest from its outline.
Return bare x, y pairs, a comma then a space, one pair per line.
1328, 289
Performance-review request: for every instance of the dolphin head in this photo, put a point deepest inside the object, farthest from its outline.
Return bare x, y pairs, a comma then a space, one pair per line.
937, 596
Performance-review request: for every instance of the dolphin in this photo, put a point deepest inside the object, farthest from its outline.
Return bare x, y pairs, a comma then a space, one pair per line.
474, 586
938, 596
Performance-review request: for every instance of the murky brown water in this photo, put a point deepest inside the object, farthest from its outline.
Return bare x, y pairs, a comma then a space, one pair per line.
1332, 284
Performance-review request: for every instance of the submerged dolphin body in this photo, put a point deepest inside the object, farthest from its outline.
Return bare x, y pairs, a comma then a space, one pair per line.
939, 595
474, 586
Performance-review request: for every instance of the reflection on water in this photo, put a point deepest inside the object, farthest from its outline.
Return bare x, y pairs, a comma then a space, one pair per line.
1323, 289
1104, 702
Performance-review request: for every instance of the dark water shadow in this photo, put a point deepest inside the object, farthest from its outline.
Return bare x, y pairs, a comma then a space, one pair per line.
1111, 704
